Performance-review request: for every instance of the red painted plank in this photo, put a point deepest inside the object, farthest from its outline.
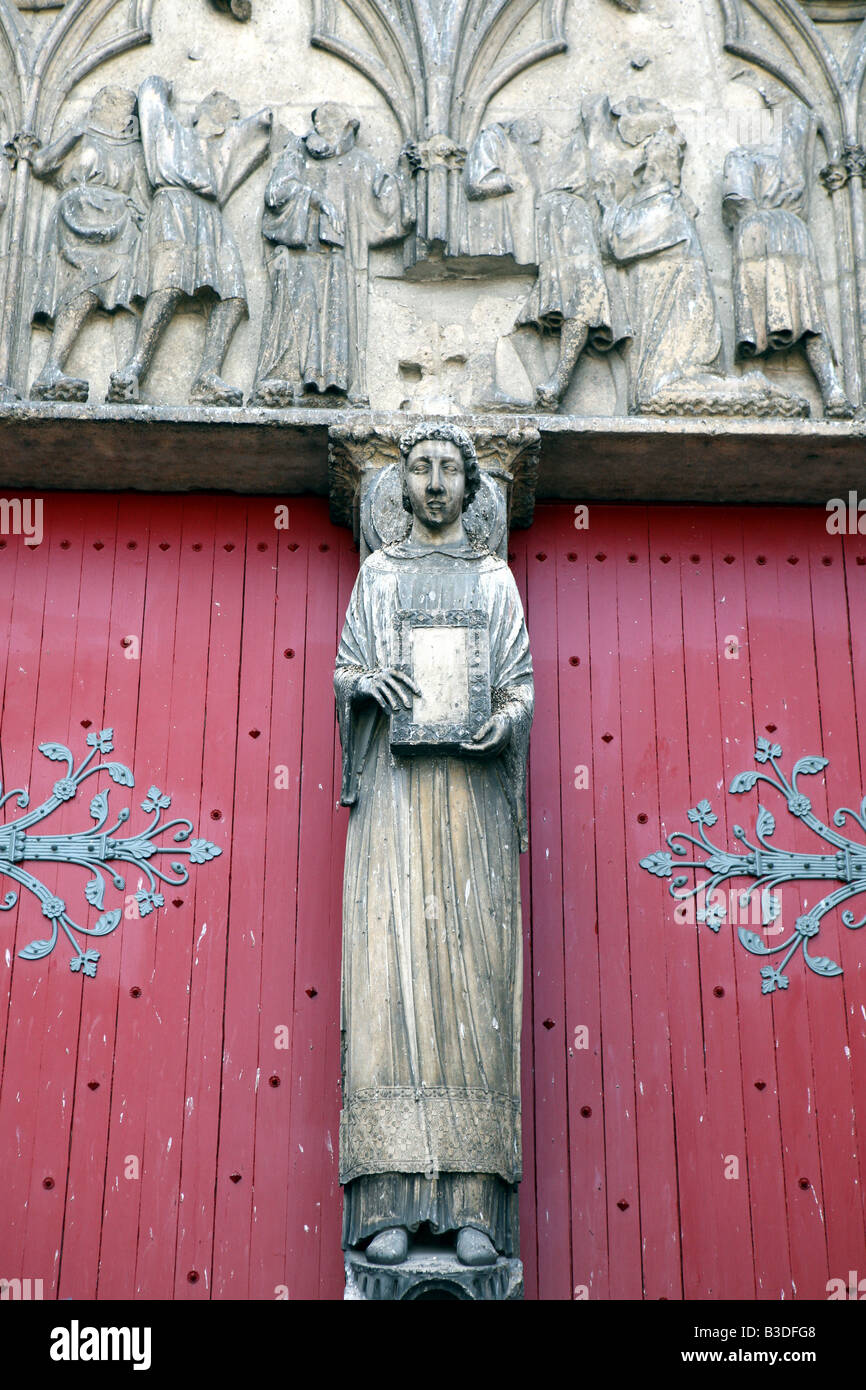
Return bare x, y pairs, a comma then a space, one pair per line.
623, 1197
549, 1039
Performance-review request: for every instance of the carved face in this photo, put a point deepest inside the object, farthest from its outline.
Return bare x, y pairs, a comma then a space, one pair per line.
435, 482
113, 109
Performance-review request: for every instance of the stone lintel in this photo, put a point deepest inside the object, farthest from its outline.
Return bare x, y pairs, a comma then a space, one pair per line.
285, 452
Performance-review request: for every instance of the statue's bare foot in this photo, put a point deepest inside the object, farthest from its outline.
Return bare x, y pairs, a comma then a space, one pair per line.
275, 393
389, 1247
473, 1247
123, 388
210, 389
52, 385
837, 405
547, 396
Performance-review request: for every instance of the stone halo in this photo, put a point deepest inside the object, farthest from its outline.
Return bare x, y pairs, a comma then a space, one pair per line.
384, 519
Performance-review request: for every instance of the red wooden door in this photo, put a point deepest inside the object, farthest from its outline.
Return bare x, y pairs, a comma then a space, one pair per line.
168, 1128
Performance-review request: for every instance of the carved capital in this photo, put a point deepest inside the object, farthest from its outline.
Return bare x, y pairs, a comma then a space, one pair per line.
834, 176
854, 159
358, 452
24, 145
438, 152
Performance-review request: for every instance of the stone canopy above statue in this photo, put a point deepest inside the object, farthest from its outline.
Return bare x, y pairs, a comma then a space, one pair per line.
498, 206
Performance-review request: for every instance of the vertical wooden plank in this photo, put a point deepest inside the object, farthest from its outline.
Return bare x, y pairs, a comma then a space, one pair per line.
178, 772
626, 544
726, 1185
245, 825
154, 528
755, 1019
783, 688
623, 1204
317, 921
549, 1038
699, 1231
92, 1095
590, 1267
834, 1001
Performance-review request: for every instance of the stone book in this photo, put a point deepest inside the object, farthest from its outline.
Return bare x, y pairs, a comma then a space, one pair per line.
447, 654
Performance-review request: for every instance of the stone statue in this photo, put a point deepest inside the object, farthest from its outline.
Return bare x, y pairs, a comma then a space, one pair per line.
186, 249
572, 294
88, 256
430, 1128
778, 299
677, 347
500, 180
326, 204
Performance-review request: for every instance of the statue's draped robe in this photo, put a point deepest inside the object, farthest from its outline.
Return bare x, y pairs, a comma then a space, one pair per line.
778, 299
675, 320
314, 332
92, 237
430, 1128
185, 244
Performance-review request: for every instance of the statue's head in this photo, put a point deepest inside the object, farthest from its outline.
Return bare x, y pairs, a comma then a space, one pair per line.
112, 110
439, 471
333, 132
214, 115
662, 159
526, 130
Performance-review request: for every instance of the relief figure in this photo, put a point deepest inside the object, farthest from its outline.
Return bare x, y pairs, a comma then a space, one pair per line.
432, 974
89, 250
186, 249
778, 298
677, 337
326, 205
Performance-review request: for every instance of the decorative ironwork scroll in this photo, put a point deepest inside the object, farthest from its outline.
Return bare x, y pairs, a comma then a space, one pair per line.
438, 65
770, 866
95, 849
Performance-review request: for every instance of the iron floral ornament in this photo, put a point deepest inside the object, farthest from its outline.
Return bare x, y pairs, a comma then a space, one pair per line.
769, 866
95, 849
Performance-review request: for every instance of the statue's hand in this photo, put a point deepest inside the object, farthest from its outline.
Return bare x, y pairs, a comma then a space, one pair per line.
390, 688
490, 739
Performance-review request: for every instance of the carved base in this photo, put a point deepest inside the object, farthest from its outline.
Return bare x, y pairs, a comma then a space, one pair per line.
431, 1272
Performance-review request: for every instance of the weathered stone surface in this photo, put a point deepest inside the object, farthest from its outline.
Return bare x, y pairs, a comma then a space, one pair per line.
434, 697
500, 170
432, 1273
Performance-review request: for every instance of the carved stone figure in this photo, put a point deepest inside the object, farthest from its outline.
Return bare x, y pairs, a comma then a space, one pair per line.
434, 638
88, 256
675, 320
500, 180
326, 204
186, 249
571, 293
778, 299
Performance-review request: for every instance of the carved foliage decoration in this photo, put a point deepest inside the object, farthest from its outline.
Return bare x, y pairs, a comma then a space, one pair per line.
37, 72
437, 66
779, 37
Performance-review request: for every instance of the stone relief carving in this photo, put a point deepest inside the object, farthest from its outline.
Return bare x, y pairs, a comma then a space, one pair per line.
89, 252
438, 67
779, 38
778, 298
676, 359
326, 204
468, 195
38, 69
238, 9
430, 1127
186, 250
